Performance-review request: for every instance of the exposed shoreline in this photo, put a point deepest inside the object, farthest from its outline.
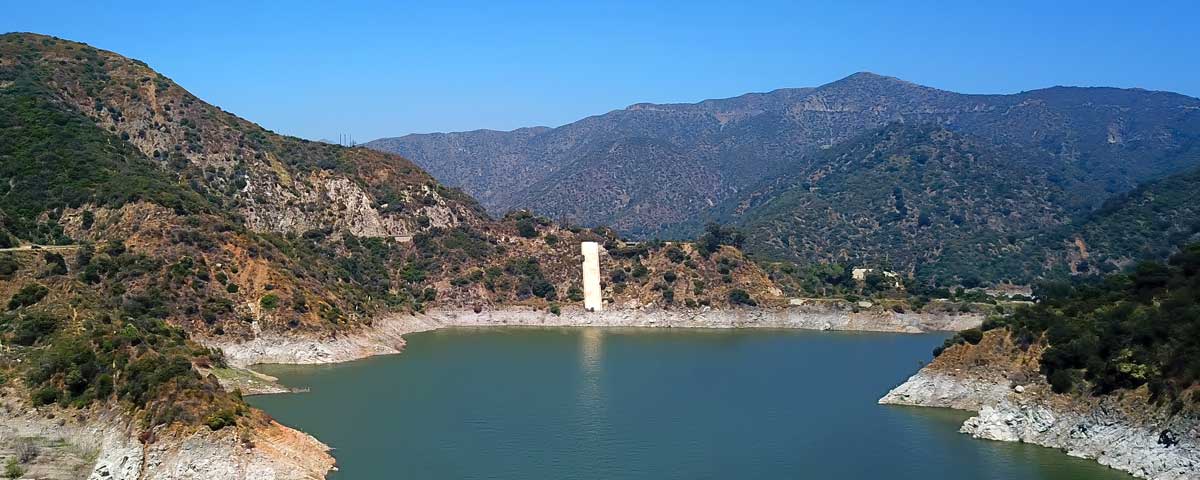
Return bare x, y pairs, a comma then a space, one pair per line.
1015, 404
107, 443
385, 335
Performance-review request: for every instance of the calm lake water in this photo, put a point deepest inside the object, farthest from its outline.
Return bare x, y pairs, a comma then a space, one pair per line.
522, 403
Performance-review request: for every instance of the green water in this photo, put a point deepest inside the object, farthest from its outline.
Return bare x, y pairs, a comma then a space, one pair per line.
645, 404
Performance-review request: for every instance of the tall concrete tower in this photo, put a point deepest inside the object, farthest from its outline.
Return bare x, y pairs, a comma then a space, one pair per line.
591, 277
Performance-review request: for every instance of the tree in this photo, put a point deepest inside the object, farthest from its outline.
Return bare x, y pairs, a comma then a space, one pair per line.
715, 236
738, 296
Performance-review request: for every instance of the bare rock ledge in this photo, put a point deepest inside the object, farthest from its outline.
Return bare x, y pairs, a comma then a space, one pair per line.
1126, 432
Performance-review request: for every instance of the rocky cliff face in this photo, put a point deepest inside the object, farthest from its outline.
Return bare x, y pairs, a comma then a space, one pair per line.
103, 443
1014, 403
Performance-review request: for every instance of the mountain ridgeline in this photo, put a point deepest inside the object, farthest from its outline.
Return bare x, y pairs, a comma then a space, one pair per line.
867, 169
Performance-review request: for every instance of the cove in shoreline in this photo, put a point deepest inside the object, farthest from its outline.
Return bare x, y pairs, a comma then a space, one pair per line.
591, 403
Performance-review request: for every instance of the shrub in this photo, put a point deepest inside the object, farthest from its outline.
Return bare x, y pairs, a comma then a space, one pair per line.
8, 266
715, 236
33, 327
25, 450
28, 295
738, 296
1061, 381
526, 227
221, 419
12, 470
269, 301
575, 294
972, 335
618, 276
45, 396
55, 264
675, 254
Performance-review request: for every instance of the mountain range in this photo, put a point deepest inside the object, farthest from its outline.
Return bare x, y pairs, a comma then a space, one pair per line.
868, 168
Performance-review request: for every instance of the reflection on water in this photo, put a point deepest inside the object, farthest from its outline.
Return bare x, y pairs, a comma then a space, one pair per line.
594, 403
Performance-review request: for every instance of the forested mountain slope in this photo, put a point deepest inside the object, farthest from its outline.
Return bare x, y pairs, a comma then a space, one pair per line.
718, 160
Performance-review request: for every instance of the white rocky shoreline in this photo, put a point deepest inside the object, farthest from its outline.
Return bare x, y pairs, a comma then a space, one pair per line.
106, 443
1128, 433
385, 334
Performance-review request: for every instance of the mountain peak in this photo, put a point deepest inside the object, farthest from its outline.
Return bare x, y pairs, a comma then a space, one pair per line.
869, 78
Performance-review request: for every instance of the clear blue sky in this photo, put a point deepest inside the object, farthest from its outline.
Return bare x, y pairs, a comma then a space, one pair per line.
375, 69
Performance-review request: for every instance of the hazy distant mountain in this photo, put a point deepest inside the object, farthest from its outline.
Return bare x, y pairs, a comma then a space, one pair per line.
666, 169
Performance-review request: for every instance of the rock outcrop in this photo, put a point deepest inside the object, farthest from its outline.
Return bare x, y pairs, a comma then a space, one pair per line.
1001, 382
103, 443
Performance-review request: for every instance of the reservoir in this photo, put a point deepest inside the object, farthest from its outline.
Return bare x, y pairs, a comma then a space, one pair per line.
598, 403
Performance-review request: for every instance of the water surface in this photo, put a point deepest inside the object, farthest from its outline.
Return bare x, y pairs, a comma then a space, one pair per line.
589, 403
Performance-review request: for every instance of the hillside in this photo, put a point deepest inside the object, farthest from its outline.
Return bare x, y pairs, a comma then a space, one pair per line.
139, 224
919, 198
1103, 368
1151, 221
718, 160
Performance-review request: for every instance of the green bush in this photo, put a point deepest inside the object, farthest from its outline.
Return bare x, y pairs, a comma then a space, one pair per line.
269, 301
13, 470
28, 295
221, 419
8, 266
527, 228
675, 254
715, 236
972, 335
575, 294
45, 396
738, 296
33, 327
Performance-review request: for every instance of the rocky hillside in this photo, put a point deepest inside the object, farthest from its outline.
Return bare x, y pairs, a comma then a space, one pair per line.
139, 223
1105, 369
244, 229
721, 159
